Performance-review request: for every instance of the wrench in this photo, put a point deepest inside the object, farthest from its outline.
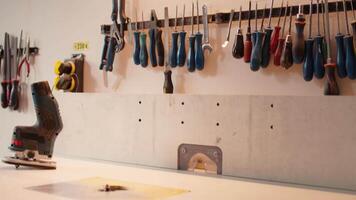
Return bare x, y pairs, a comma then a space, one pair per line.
206, 44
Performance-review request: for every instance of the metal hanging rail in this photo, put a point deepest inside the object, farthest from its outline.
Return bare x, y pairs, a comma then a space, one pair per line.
222, 18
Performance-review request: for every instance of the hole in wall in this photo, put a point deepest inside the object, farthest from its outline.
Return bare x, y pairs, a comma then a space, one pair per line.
218, 124
272, 105
182, 122
183, 103
140, 120
140, 102
218, 104
272, 127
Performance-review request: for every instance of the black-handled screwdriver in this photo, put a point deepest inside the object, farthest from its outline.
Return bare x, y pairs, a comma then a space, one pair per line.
299, 41
199, 53
349, 49
136, 54
266, 55
6, 79
256, 59
331, 86
174, 48
287, 53
168, 87
319, 70
340, 55
143, 46
308, 70
191, 52
182, 55
238, 48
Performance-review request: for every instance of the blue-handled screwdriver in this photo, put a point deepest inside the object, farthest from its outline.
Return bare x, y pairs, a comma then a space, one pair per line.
349, 49
182, 55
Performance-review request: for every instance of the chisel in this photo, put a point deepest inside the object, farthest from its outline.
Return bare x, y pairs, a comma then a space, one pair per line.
276, 32
340, 55
182, 55
136, 54
174, 48
319, 70
248, 42
287, 53
267, 41
199, 53
256, 59
143, 46
299, 41
278, 54
349, 49
331, 86
238, 48
168, 84
308, 70
191, 51
7, 63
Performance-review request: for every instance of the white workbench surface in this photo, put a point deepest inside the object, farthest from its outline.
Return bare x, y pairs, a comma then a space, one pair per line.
13, 183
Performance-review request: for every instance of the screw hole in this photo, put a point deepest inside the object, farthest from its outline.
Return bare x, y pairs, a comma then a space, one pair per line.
140, 102
182, 122
183, 103
140, 120
218, 104
272, 105
272, 127
217, 124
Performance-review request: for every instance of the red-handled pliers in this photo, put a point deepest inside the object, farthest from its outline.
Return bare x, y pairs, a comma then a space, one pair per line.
25, 59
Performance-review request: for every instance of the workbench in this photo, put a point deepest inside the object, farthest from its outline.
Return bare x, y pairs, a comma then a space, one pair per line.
19, 184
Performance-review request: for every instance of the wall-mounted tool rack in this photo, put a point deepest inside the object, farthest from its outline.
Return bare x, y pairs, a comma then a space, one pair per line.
222, 18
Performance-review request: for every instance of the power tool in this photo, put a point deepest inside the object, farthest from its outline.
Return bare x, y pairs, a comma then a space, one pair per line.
33, 145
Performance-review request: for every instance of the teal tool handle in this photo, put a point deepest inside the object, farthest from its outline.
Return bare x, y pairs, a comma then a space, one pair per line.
257, 52
266, 55
350, 57
199, 54
136, 54
191, 54
319, 70
174, 49
143, 50
153, 56
340, 56
308, 70
182, 54
160, 48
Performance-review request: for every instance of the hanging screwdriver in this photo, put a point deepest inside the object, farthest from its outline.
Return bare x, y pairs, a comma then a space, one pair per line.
199, 53
254, 34
349, 49
276, 32
182, 55
319, 70
278, 54
353, 23
324, 31
331, 86
136, 54
248, 42
238, 48
287, 53
257, 50
143, 46
340, 58
299, 42
267, 41
174, 48
308, 70
168, 87
191, 52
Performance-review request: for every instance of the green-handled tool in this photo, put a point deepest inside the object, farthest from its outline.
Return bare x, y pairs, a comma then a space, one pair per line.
267, 41
299, 41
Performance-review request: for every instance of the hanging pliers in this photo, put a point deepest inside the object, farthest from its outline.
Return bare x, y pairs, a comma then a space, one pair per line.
25, 59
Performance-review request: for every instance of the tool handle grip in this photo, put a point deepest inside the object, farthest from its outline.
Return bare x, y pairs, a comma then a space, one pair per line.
257, 52
4, 99
238, 48
111, 54
275, 39
308, 70
153, 57
199, 53
287, 54
115, 10
319, 70
182, 54
105, 52
247, 48
14, 95
136, 53
331, 86
143, 50
168, 87
174, 49
191, 54
299, 43
340, 56
350, 57
278, 54
253, 39
160, 48
266, 55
